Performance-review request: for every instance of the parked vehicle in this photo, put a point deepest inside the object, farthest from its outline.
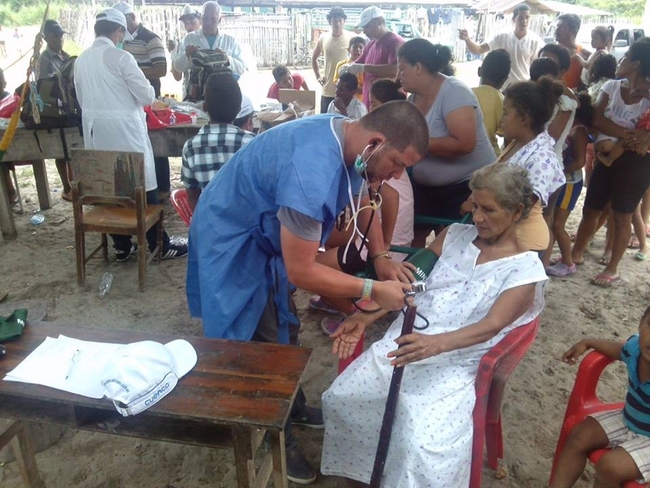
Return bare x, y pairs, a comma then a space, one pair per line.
624, 36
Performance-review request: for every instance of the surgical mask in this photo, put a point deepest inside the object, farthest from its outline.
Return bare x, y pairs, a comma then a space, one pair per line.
360, 165
119, 45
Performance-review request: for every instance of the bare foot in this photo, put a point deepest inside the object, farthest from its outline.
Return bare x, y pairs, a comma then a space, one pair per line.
605, 259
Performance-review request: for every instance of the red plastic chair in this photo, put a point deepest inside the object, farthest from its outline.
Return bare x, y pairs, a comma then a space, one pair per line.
181, 205
493, 372
584, 402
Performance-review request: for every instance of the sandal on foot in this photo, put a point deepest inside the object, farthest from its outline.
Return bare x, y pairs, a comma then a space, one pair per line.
554, 260
560, 270
604, 281
634, 243
640, 256
604, 259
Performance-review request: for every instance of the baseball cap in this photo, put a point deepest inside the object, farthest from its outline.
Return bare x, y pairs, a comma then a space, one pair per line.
188, 13
369, 13
53, 27
142, 373
246, 107
124, 7
112, 15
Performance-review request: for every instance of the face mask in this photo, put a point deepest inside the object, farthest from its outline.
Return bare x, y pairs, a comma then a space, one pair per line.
360, 165
119, 45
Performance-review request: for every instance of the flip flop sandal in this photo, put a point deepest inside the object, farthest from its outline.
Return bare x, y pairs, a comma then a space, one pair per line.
604, 259
605, 280
555, 260
640, 256
634, 243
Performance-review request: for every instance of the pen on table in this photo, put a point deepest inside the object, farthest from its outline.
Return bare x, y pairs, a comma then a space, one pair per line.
73, 361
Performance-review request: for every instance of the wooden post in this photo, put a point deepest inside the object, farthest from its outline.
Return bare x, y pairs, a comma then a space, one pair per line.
7, 224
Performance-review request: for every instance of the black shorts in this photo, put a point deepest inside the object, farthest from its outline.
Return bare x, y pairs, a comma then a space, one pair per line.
354, 263
623, 183
440, 201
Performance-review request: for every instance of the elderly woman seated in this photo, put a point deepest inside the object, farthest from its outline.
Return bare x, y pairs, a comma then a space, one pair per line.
483, 285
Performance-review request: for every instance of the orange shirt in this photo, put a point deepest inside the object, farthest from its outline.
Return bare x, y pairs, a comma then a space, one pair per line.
572, 77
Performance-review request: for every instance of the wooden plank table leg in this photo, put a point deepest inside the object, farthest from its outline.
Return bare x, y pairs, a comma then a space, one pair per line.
242, 442
279, 459
42, 186
25, 459
7, 224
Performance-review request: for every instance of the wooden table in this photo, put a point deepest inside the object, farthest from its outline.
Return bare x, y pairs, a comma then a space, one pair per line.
237, 392
38, 145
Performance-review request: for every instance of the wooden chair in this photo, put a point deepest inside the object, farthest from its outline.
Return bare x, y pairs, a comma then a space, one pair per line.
113, 182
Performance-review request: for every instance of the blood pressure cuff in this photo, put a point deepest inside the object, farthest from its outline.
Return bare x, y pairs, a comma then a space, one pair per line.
12, 327
424, 260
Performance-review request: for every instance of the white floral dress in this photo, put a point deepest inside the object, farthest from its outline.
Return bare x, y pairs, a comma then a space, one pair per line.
431, 440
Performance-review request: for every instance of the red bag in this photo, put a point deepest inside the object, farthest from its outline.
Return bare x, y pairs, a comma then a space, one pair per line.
159, 119
8, 105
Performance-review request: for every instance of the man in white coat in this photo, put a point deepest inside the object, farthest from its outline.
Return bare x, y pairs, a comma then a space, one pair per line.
209, 37
112, 92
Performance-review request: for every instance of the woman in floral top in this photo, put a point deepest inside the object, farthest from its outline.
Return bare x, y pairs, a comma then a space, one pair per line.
527, 107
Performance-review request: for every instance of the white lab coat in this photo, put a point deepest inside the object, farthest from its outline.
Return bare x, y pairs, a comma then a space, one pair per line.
225, 42
112, 92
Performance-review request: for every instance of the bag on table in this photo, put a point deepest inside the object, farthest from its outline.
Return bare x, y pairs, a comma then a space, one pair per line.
205, 62
60, 105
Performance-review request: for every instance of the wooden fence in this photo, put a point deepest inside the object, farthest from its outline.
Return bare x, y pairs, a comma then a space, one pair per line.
268, 39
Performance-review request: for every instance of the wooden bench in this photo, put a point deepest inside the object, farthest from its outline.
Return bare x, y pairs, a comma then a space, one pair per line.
236, 394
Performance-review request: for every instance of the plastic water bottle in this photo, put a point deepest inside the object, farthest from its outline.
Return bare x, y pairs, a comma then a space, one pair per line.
193, 118
105, 284
37, 219
172, 119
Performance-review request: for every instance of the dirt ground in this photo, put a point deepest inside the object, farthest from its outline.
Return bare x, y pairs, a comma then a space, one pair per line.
40, 264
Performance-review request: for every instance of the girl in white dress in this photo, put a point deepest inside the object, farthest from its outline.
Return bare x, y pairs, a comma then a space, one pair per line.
483, 285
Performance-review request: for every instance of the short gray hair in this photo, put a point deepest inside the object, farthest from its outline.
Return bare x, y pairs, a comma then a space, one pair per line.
508, 183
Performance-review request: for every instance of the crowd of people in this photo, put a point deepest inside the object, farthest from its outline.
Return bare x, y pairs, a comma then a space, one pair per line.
314, 202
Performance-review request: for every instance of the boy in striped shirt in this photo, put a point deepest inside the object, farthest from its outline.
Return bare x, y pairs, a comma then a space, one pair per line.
626, 431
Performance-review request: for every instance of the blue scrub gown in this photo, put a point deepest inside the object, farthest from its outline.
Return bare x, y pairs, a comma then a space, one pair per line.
235, 257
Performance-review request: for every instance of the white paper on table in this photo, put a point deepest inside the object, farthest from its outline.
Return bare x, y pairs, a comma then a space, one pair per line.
66, 364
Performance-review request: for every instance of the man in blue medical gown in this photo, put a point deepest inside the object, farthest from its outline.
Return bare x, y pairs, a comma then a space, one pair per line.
260, 221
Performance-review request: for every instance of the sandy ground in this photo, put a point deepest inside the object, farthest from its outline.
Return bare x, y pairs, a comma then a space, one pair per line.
40, 264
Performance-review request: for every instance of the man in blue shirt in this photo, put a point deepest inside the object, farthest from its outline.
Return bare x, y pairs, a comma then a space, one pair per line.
260, 221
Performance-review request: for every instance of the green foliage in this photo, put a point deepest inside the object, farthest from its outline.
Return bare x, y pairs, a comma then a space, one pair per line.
631, 9
15, 13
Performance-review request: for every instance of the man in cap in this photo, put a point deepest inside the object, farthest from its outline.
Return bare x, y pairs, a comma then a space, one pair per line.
191, 20
209, 37
149, 52
379, 58
112, 90
334, 46
50, 61
244, 119
522, 45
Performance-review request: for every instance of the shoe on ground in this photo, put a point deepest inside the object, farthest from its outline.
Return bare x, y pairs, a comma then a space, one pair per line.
317, 303
560, 270
121, 256
329, 326
298, 468
175, 251
312, 418
178, 240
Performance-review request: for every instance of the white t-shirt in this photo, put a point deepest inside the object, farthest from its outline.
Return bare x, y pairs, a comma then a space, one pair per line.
355, 109
403, 233
522, 53
618, 111
565, 104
